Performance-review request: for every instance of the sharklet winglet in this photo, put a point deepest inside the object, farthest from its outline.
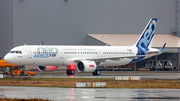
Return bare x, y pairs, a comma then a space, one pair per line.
162, 48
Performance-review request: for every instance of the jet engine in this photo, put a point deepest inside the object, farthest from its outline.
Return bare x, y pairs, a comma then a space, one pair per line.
86, 66
47, 68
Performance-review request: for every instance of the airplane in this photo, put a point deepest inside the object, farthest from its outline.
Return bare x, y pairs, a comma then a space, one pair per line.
85, 58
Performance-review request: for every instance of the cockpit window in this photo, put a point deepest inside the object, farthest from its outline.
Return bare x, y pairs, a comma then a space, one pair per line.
17, 52
12, 52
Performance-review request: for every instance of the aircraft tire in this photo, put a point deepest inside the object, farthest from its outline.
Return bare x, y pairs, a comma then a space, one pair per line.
22, 74
68, 72
93, 73
97, 72
72, 72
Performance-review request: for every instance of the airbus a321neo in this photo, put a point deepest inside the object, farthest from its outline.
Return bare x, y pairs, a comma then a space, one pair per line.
85, 58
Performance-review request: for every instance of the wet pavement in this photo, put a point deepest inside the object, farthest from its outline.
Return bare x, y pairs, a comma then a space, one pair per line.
90, 94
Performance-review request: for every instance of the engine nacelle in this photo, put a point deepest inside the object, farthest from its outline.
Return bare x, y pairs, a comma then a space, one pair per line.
47, 68
86, 66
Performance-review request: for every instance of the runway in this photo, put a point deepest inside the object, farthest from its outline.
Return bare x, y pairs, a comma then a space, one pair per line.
159, 75
90, 94
95, 94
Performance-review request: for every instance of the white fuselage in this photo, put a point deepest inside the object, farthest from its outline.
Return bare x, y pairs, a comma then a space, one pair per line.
65, 55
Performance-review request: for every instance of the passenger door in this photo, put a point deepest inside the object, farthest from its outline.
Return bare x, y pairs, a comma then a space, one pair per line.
61, 53
29, 53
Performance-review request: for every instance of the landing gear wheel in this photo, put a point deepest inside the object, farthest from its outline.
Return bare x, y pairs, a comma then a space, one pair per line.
22, 74
97, 72
70, 72
93, 73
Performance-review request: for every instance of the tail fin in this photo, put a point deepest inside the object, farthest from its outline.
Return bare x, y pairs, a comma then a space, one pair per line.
145, 40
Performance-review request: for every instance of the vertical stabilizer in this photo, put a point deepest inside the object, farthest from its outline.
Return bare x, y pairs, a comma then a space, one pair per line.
145, 40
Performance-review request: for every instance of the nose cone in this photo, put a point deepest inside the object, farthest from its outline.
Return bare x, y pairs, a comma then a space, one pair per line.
7, 58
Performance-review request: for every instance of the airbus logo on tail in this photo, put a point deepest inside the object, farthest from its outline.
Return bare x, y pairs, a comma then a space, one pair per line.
147, 37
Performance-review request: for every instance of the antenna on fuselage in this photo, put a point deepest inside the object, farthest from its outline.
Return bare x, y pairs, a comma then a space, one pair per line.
25, 44
41, 43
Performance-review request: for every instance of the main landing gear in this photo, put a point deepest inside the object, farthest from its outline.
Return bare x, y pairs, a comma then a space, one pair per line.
70, 72
96, 72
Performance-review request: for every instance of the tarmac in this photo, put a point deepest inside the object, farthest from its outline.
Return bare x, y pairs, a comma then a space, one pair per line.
113, 74
95, 94
90, 94
171, 75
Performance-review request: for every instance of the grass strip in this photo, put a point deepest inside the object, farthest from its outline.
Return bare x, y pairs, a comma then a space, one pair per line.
70, 82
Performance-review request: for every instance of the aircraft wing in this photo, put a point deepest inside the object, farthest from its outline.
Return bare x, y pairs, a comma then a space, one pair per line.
157, 52
152, 52
111, 58
162, 48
